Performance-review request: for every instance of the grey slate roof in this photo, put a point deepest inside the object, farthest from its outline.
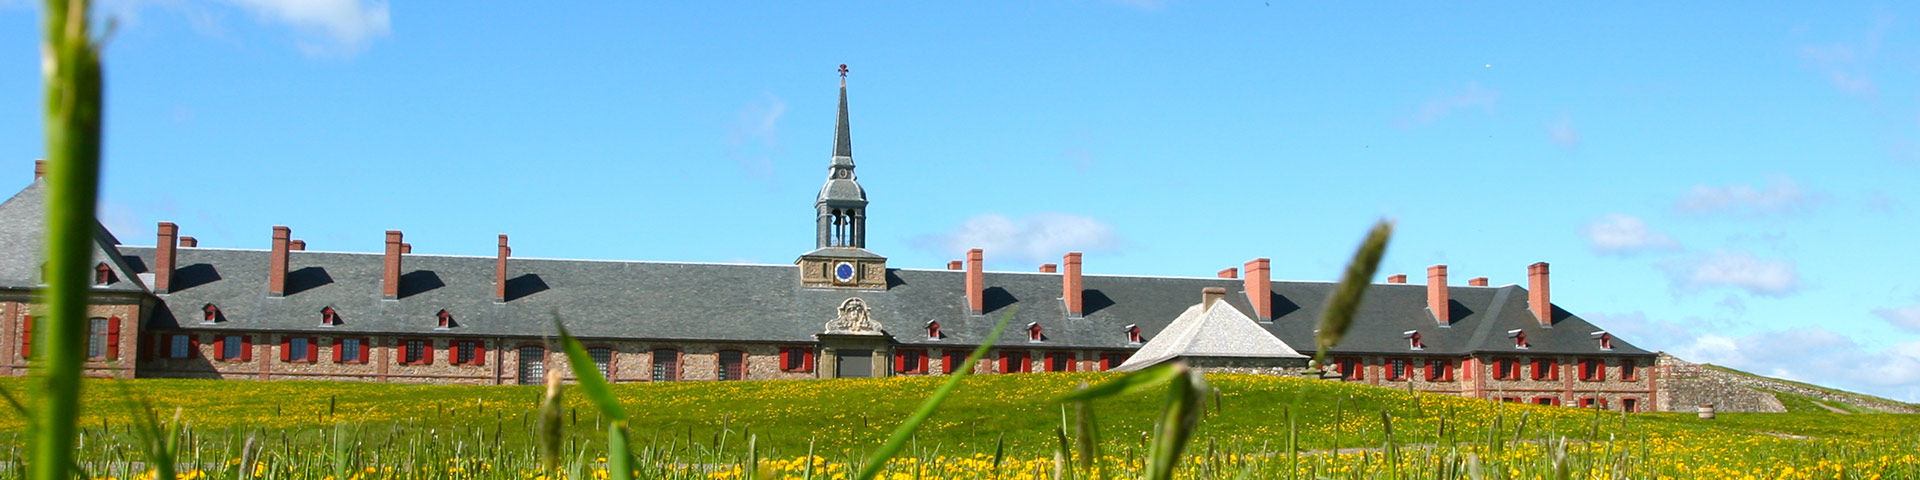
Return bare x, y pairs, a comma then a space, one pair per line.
23, 236
765, 303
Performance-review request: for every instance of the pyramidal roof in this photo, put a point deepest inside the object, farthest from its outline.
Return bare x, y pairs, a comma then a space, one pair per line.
1221, 332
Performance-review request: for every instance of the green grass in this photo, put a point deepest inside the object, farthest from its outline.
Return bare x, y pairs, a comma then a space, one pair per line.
859, 414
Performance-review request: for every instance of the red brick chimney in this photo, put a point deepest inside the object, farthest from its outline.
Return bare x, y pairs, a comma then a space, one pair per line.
297, 245
1437, 295
956, 265
500, 271
1230, 272
1537, 295
277, 262
390, 279
406, 248
39, 169
976, 282
1049, 268
1397, 278
1071, 287
1259, 285
189, 242
1477, 281
164, 257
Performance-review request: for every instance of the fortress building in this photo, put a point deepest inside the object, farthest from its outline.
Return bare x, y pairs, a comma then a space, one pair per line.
286, 313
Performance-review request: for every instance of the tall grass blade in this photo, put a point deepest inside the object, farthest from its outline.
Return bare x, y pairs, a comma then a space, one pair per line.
1345, 301
1179, 417
587, 373
920, 415
71, 64
1132, 382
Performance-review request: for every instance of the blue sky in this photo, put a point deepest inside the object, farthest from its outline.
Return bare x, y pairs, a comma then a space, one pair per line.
1728, 183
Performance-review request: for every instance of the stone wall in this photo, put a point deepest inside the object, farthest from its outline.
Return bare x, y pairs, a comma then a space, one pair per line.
14, 310
1687, 385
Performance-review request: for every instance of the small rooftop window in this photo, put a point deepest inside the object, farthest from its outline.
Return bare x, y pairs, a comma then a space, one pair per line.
212, 314
446, 320
1519, 338
1133, 334
1033, 333
102, 275
328, 317
1413, 339
933, 330
1605, 339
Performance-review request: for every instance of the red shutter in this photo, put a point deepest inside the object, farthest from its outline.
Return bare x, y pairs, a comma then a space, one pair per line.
219, 347
286, 348
337, 354
193, 346
146, 346
26, 337
366, 349
899, 361
784, 353
806, 359
113, 338
401, 349
313, 350
946, 361
246, 348
479, 353
427, 351
923, 361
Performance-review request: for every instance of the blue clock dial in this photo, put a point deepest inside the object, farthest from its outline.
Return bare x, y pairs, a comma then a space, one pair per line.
843, 272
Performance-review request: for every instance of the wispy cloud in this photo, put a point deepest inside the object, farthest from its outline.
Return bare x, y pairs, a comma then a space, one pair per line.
1619, 233
1907, 317
1737, 270
1846, 64
327, 26
1438, 108
1563, 133
1029, 240
754, 135
1780, 196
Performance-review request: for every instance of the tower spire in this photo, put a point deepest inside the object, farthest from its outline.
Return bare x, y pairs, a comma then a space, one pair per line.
842, 140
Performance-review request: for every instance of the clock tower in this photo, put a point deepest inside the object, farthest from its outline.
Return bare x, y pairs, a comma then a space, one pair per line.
840, 258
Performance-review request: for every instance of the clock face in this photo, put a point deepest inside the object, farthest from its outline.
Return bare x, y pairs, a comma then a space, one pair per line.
843, 272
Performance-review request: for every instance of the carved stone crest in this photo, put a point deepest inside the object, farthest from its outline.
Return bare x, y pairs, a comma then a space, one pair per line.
854, 319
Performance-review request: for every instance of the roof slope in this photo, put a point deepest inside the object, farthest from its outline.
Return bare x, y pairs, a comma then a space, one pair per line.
23, 239
1221, 331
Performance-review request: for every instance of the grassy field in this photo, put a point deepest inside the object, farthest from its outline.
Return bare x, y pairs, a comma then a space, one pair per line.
705, 426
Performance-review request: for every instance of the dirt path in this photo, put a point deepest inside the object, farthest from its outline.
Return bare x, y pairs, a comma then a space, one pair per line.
1831, 408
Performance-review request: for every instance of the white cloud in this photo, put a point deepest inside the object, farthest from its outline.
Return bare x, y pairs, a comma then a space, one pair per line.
1845, 64
1780, 195
1030, 240
1619, 233
343, 26
1563, 134
1740, 270
1907, 317
1474, 96
752, 137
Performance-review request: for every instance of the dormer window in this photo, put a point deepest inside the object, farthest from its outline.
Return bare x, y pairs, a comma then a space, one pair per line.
1519, 338
328, 317
446, 320
212, 314
933, 330
1605, 339
1033, 333
1413, 340
102, 275
1133, 334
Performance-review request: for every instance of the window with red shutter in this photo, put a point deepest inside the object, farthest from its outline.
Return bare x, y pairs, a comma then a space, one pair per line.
1629, 371
113, 338
908, 361
1439, 370
1351, 368
1014, 362
1109, 361
1397, 369
1060, 362
1546, 369
26, 337
1593, 370
953, 360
